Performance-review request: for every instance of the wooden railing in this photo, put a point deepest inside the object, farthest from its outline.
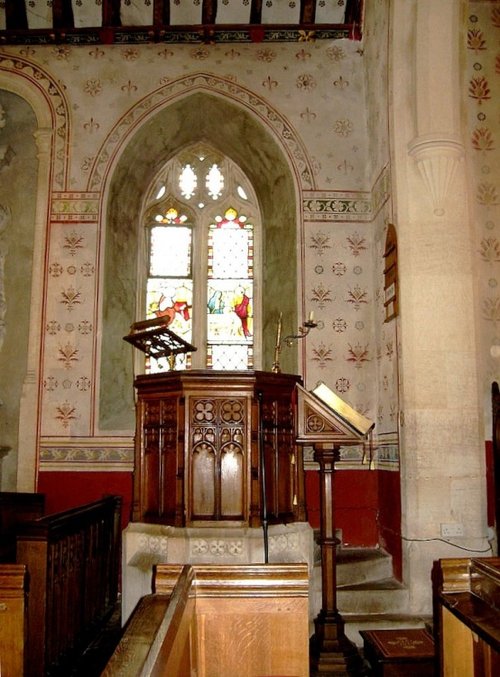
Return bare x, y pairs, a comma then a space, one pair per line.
72, 559
218, 621
12, 619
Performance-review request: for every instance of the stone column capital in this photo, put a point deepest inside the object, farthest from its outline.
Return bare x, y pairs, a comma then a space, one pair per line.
437, 157
43, 138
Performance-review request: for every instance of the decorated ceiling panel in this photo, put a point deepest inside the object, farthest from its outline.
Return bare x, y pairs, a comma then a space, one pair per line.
107, 21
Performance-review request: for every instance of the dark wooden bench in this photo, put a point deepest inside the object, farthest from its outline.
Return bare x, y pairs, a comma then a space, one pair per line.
72, 560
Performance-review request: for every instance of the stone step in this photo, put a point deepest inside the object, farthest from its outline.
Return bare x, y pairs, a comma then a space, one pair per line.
375, 597
360, 565
368, 596
357, 566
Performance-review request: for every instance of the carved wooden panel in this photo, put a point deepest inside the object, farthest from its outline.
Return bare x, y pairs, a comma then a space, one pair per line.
218, 457
199, 439
13, 592
72, 560
280, 452
158, 492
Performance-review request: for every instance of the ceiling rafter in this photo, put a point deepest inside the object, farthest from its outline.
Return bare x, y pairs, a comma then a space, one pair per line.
15, 15
161, 14
256, 12
307, 11
208, 12
62, 14
111, 13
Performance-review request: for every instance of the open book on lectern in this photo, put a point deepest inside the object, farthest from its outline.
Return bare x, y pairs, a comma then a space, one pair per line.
360, 423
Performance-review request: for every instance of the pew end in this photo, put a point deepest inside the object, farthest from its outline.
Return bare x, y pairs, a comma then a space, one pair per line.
13, 591
218, 621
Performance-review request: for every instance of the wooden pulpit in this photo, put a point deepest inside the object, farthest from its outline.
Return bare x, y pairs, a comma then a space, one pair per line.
210, 445
327, 423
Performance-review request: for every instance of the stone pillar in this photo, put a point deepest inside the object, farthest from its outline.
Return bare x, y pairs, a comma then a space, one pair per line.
30, 404
442, 446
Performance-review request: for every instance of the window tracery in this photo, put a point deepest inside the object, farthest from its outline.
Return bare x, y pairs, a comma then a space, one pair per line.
200, 222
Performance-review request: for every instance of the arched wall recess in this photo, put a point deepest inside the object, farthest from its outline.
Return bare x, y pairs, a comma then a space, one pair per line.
232, 130
51, 131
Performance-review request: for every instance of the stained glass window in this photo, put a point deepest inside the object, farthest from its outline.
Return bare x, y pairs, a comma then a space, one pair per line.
230, 291
201, 259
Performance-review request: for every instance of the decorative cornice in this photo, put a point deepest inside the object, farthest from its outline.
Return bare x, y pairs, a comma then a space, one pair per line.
210, 34
87, 454
75, 206
344, 206
337, 206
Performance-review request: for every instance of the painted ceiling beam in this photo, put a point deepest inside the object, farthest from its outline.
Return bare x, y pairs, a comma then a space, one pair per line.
208, 12
63, 28
15, 15
256, 12
307, 11
62, 14
353, 12
161, 13
111, 13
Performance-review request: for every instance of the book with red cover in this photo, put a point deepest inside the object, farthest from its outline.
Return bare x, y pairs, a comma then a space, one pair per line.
407, 644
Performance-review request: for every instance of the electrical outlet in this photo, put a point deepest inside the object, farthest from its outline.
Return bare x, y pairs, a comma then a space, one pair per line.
452, 529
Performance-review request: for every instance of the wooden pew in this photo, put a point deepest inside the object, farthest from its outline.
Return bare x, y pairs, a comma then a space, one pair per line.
467, 616
15, 509
72, 560
218, 621
12, 619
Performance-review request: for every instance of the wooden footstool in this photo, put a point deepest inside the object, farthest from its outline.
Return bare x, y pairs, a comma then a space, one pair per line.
399, 653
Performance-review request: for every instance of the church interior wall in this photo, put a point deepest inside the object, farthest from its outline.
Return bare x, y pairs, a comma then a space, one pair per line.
314, 97
482, 89
326, 105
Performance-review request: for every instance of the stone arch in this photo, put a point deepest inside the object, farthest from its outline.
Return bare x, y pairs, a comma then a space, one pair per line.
47, 144
280, 129
32, 83
229, 127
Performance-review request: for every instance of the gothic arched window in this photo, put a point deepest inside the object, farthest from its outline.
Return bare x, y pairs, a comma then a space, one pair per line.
201, 219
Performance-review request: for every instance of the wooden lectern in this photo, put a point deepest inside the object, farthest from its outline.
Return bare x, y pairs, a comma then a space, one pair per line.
327, 423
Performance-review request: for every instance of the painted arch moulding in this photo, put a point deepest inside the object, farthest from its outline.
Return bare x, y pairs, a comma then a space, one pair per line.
281, 129
26, 79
